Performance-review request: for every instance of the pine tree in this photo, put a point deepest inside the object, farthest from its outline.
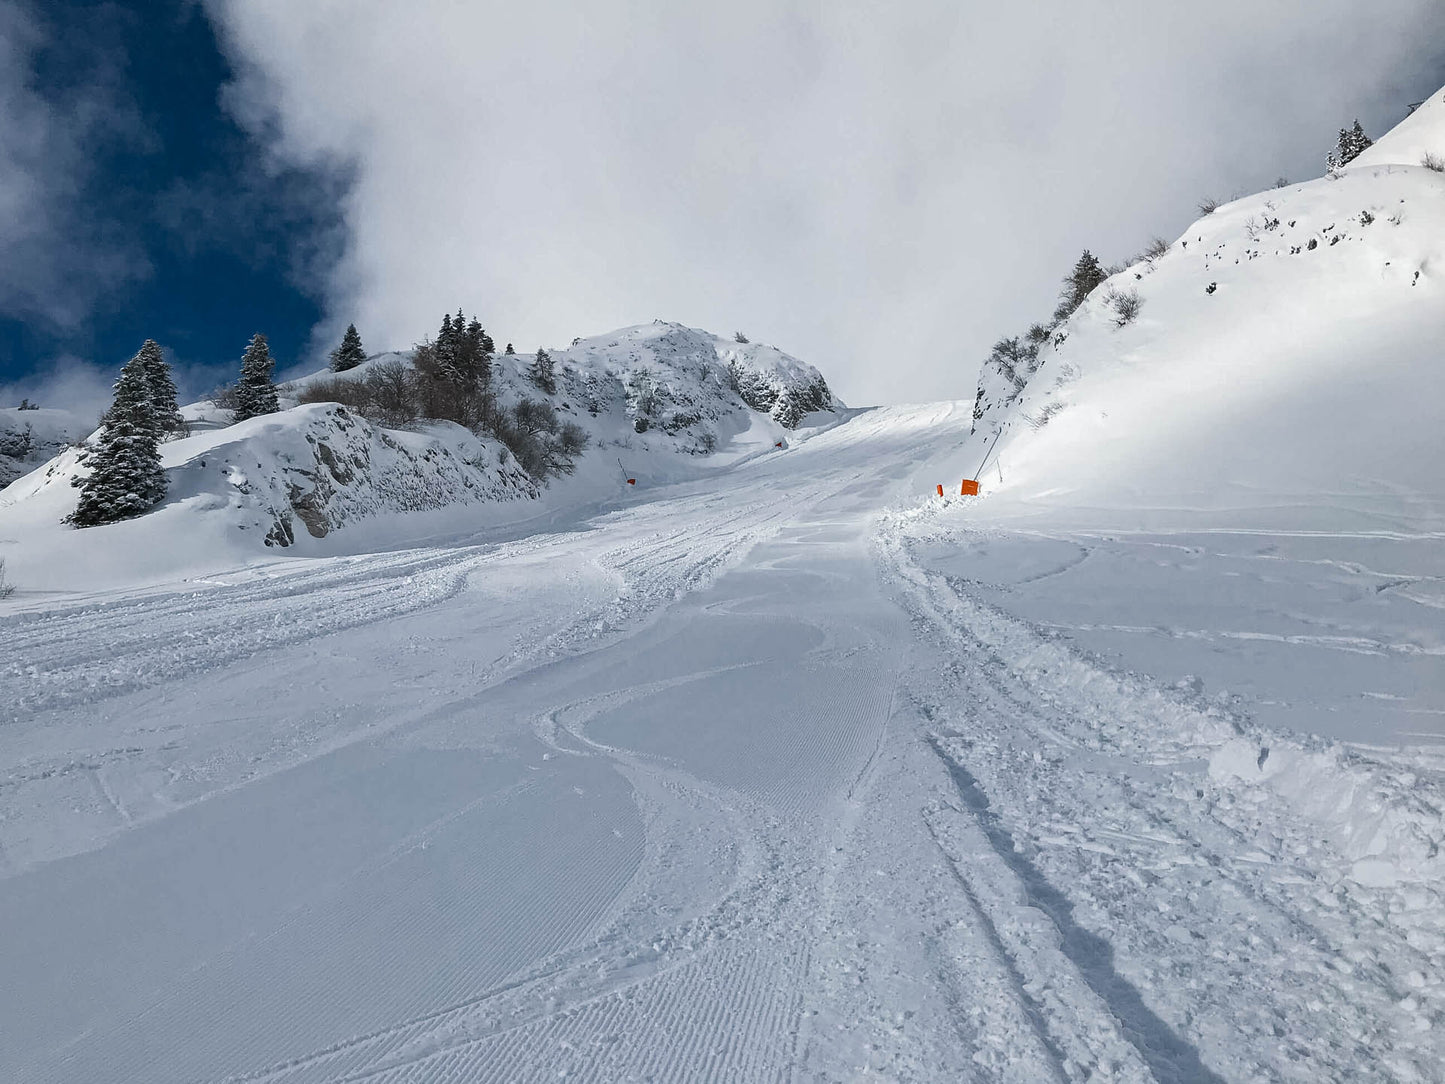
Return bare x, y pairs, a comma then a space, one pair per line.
255, 393
126, 477
163, 388
446, 348
542, 372
1079, 283
509, 351
478, 352
1352, 143
350, 353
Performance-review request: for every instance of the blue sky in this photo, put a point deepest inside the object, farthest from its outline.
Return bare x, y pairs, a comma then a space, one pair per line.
160, 217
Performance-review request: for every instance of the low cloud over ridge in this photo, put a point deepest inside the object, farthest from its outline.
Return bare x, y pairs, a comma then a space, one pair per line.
882, 190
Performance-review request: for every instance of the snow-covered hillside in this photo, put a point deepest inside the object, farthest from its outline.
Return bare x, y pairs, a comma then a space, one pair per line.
30, 437
1286, 346
657, 402
278, 481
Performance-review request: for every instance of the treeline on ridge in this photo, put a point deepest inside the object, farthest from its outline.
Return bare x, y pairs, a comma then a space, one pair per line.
450, 379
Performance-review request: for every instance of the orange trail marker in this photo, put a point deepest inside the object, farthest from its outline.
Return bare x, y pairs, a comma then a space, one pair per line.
969, 488
940, 489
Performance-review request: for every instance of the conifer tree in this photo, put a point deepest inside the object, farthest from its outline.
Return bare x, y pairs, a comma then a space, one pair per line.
1079, 283
350, 353
478, 353
255, 393
126, 477
163, 388
509, 351
542, 372
1352, 143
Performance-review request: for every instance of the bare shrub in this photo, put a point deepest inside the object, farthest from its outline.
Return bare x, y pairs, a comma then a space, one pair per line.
1048, 411
225, 397
1157, 247
1126, 305
1208, 205
1433, 161
544, 446
391, 389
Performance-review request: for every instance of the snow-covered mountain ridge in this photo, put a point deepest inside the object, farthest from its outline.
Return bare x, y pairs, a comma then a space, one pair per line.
657, 402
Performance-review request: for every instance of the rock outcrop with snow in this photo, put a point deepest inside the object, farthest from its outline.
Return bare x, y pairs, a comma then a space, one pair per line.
30, 437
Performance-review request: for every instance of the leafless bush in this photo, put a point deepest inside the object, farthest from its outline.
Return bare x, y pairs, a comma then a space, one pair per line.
1126, 305
224, 397
1208, 205
1049, 410
1433, 161
390, 394
1156, 248
544, 445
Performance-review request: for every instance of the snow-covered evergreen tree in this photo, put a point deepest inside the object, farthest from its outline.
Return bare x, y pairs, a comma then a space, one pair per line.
1352, 143
126, 477
255, 393
542, 372
163, 389
1088, 272
350, 353
509, 351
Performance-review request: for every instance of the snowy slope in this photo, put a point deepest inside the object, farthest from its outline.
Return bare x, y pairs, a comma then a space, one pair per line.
658, 402
282, 481
30, 437
1287, 347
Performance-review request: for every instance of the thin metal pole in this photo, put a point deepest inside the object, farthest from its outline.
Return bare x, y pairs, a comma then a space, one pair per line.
988, 453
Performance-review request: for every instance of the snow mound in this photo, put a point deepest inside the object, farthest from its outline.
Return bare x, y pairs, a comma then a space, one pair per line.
1285, 356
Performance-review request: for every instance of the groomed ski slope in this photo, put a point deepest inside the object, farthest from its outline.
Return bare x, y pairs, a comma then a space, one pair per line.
794, 772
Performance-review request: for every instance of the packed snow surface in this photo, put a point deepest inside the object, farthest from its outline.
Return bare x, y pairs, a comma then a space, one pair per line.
787, 771
776, 766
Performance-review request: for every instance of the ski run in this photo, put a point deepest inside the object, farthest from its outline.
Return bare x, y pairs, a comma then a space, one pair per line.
742, 754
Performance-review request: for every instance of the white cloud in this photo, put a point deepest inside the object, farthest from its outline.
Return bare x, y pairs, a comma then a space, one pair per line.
880, 188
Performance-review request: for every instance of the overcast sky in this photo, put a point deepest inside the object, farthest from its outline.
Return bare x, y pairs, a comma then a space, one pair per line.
880, 188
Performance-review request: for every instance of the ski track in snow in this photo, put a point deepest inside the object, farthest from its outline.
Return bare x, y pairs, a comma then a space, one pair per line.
908, 836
